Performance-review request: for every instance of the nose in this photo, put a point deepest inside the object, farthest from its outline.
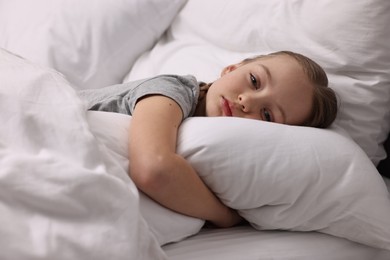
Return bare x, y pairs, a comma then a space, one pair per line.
244, 103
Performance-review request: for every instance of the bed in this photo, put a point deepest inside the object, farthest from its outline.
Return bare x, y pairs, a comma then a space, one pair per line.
305, 193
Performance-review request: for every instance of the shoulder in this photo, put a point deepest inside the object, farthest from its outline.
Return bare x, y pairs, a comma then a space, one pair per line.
174, 86
170, 79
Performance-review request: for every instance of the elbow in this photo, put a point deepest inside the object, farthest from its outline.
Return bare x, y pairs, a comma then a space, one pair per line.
150, 174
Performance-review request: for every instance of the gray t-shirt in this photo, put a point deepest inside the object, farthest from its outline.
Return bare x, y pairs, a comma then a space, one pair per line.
122, 98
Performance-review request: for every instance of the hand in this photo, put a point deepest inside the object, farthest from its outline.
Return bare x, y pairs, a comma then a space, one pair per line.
230, 219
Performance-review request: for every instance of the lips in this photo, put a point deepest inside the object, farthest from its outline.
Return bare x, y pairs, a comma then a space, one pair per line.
226, 107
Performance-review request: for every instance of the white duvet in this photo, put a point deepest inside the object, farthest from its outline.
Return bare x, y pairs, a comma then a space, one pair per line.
61, 195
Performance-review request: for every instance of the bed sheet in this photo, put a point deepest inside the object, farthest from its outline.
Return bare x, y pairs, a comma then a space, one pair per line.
245, 243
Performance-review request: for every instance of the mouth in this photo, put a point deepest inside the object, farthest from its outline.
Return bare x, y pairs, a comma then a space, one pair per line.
226, 110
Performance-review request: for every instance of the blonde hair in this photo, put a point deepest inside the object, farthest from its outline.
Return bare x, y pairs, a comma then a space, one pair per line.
325, 105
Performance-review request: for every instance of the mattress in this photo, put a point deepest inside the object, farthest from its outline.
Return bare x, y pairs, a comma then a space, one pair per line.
246, 243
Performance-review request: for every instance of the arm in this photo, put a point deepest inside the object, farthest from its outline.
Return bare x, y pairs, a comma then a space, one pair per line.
162, 174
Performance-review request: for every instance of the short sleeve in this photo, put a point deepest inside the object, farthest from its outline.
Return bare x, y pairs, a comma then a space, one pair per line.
184, 90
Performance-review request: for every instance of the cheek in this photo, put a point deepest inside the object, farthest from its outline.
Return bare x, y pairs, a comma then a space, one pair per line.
209, 104
303, 112
211, 110
224, 84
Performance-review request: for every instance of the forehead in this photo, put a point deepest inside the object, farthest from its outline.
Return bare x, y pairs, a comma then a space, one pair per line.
283, 60
284, 68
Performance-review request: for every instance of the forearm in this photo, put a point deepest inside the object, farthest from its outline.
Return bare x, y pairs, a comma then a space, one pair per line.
163, 175
178, 187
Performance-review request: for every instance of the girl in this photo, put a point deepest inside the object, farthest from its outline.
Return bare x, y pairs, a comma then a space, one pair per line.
282, 87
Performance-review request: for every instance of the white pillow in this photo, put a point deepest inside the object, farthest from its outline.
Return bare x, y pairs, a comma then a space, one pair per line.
93, 43
350, 39
277, 176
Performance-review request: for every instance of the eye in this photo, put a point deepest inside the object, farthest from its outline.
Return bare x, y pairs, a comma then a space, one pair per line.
254, 81
267, 115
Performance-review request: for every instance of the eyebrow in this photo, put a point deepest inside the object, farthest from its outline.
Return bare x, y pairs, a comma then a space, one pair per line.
269, 78
267, 71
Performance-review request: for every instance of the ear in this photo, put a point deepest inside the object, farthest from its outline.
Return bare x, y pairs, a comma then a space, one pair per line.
230, 68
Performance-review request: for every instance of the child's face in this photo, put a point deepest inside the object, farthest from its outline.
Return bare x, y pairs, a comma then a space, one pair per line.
272, 89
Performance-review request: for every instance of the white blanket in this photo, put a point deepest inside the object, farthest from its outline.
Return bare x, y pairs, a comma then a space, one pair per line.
61, 195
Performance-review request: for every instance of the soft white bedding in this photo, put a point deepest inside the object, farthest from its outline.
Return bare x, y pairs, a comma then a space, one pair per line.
64, 190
